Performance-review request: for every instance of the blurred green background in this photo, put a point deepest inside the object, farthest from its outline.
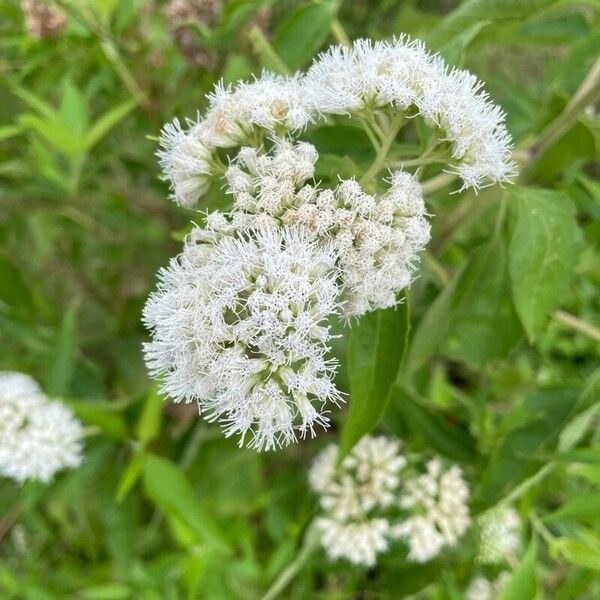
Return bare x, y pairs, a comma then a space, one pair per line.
163, 506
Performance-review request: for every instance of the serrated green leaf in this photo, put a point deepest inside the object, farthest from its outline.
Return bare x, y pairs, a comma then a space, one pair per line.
377, 346
301, 35
542, 254
523, 582
167, 486
473, 319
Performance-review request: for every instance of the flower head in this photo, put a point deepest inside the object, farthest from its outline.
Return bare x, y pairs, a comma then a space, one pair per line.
38, 437
402, 75
500, 535
439, 513
481, 588
353, 495
240, 327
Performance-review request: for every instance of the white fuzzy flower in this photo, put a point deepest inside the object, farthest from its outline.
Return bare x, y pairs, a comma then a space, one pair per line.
405, 77
38, 438
378, 237
357, 541
500, 535
353, 494
439, 513
240, 327
481, 588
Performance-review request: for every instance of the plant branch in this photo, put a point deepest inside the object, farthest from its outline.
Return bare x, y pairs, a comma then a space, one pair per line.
577, 324
339, 33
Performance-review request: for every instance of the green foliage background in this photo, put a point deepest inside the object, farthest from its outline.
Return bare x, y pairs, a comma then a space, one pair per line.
500, 372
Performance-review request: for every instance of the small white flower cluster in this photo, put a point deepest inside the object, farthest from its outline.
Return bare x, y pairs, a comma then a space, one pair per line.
400, 77
38, 437
440, 516
359, 498
236, 116
377, 237
240, 328
481, 588
403, 75
500, 535
352, 495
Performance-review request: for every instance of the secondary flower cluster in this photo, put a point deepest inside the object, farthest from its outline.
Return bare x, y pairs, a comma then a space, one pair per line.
38, 437
396, 79
367, 504
377, 238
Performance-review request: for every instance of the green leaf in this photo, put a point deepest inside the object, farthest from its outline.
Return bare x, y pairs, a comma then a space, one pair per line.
167, 486
13, 289
129, 477
9, 131
542, 254
150, 420
107, 121
515, 457
454, 51
472, 11
586, 555
576, 429
64, 356
376, 348
523, 582
35, 102
438, 430
473, 319
73, 108
585, 507
103, 415
301, 35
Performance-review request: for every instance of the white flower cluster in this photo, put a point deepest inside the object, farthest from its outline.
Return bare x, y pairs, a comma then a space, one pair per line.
400, 77
439, 513
403, 75
38, 437
352, 496
240, 328
361, 499
481, 588
376, 237
500, 535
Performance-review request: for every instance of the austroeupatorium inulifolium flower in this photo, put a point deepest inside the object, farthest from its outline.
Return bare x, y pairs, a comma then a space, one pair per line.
398, 78
481, 588
374, 497
38, 437
500, 535
353, 498
439, 515
377, 237
263, 370
241, 328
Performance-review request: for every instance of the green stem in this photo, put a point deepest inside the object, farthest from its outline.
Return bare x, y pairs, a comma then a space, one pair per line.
438, 182
311, 542
527, 485
339, 33
381, 157
266, 52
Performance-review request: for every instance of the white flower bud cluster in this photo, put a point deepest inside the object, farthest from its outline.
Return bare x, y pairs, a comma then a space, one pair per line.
500, 535
377, 237
240, 327
439, 513
353, 496
403, 75
361, 499
38, 437
481, 588
236, 116
397, 78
